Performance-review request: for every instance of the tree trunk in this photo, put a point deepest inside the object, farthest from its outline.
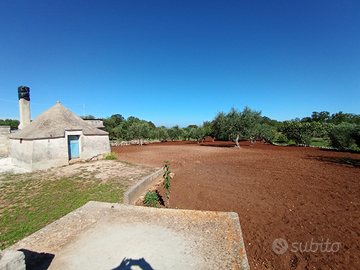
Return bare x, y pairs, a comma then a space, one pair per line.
252, 141
237, 141
140, 142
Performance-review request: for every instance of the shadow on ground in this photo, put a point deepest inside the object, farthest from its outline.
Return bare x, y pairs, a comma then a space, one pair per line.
37, 261
337, 160
126, 264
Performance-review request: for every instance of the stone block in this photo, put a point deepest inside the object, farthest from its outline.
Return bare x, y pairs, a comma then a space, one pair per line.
12, 260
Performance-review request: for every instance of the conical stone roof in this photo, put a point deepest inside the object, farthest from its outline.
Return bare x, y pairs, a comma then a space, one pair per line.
53, 123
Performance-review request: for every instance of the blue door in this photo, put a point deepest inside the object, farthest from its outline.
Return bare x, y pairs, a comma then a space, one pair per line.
73, 146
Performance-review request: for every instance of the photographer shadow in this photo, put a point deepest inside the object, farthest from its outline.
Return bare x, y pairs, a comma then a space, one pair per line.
126, 264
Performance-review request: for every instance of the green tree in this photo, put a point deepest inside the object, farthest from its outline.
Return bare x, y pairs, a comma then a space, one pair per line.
302, 132
13, 123
345, 136
266, 133
110, 123
139, 130
118, 118
88, 117
192, 126
237, 124
207, 125
175, 132
159, 133
186, 133
219, 127
120, 132
197, 133
320, 117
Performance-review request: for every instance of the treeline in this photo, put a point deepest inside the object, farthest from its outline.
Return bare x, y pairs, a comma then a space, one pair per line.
342, 130
10, 122
133, 128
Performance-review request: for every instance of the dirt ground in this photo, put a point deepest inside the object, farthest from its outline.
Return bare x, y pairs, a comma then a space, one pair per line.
100, 169
306, 196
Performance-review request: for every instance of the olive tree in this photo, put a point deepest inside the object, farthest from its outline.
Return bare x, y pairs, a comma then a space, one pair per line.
237, 124
302, 132
159, 133
197, 133
139, 130
345, 136
175, 132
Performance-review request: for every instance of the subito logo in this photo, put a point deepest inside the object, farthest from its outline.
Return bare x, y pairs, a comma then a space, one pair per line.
280, 246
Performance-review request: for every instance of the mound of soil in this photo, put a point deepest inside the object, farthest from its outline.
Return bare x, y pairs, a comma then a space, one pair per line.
306, 196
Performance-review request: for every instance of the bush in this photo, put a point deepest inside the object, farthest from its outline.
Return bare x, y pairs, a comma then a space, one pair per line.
151, 199
111, 156
282, 139
343, 136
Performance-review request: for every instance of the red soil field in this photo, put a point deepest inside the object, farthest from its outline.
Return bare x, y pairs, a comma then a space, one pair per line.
301, 194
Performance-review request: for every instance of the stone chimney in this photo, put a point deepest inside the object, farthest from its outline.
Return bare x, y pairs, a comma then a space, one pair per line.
24, 106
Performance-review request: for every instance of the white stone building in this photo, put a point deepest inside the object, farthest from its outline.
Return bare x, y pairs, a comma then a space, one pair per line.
55, 137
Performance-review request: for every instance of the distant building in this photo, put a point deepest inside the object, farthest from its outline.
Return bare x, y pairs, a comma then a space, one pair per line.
55, 137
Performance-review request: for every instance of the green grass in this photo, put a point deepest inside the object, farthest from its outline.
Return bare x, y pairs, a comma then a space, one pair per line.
29, 205
320, 142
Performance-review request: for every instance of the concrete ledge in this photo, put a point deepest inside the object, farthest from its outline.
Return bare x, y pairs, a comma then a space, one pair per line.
141, 187
116, 236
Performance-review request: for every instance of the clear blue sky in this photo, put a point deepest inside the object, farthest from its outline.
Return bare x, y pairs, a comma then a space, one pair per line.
180, 62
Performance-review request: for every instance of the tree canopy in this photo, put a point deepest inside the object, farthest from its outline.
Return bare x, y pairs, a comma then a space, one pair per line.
237, 124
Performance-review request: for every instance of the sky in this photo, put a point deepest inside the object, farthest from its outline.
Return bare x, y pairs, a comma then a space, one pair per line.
181, 62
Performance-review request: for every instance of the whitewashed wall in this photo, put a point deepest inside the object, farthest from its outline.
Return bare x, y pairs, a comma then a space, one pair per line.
39, 154
46, 153
94, 145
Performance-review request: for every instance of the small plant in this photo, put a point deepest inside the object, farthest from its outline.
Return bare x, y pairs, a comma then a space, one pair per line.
166, 182
151, 199
111, 156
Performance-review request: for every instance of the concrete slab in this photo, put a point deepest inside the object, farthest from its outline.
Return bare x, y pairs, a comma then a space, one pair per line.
115, 236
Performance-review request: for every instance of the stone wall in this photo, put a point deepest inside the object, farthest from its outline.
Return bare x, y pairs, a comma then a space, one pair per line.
132, 142
4, 141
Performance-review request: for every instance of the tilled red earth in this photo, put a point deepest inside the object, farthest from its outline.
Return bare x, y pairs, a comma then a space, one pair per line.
306, 196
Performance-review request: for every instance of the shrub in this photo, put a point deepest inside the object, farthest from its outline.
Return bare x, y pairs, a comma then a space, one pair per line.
151, 199
343, 136
282, 139
111, 156
301, 132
